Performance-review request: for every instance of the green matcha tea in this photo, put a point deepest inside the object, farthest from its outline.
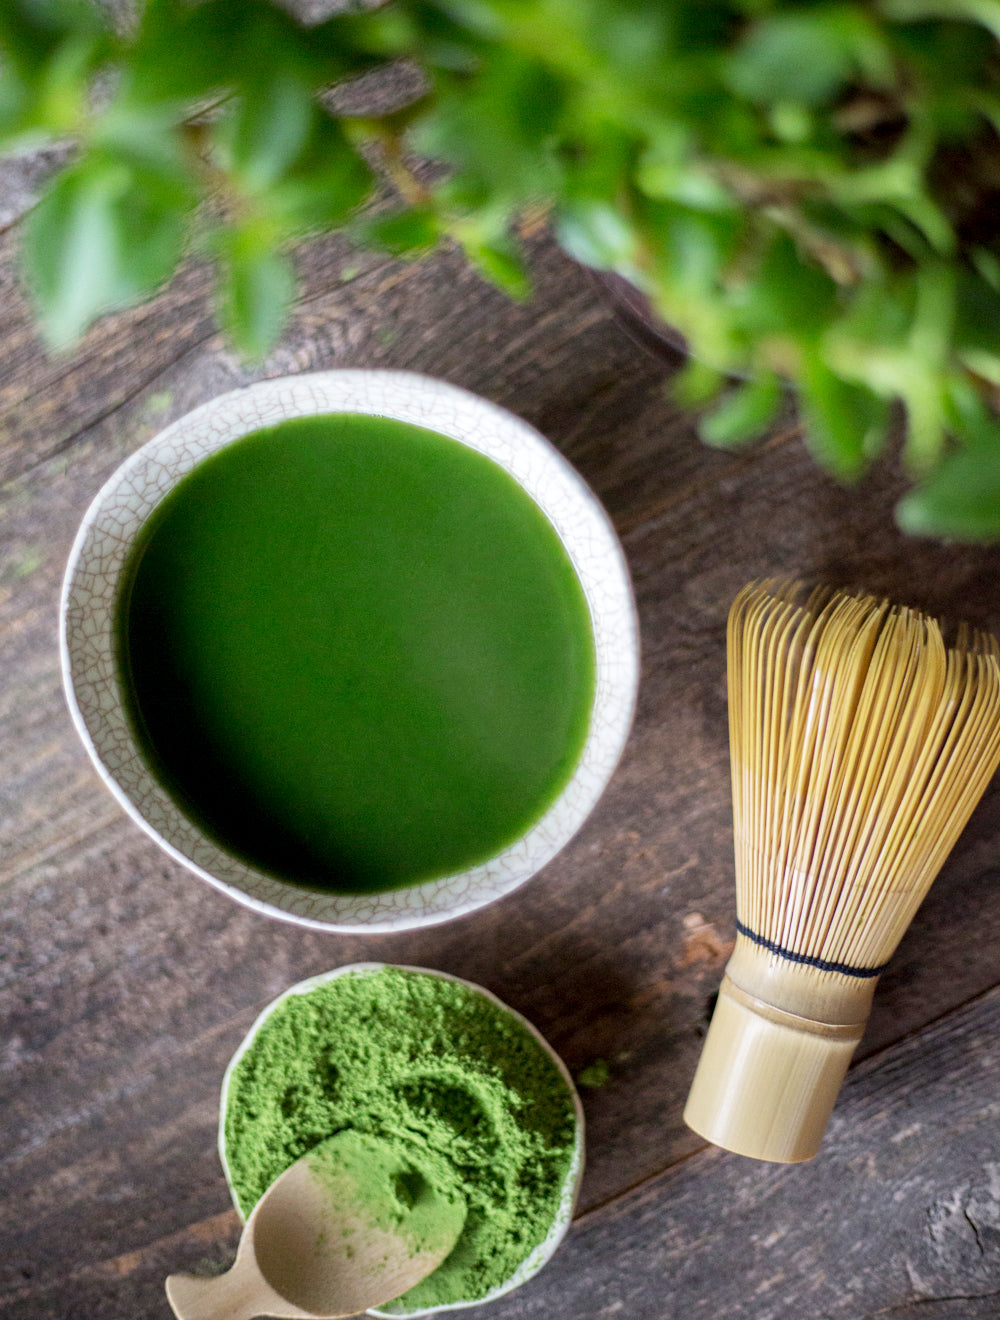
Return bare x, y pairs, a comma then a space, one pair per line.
444, 1078
355, 653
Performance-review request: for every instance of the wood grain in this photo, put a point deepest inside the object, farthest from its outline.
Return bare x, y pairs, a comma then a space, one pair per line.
898, 1216
125, 983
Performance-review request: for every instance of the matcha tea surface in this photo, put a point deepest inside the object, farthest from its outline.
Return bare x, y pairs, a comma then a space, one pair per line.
356, 653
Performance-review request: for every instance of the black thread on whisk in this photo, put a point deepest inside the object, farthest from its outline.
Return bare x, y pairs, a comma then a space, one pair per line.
822, 964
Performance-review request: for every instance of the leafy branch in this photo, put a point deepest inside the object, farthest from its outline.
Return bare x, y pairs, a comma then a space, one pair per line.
809, 192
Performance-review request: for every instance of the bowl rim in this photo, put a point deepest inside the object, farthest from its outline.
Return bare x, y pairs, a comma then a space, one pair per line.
570, 1190
92, 689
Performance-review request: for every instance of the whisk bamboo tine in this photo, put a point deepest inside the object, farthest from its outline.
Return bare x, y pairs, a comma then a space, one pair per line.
829, 769
783, 786
888, 791
860, 745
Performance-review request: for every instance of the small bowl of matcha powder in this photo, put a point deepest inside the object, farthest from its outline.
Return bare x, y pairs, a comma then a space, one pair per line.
450, 1077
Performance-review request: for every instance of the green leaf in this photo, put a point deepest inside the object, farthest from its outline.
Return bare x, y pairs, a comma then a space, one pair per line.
320, 55
985, 12
104, 235
498, 126
408, 233
595, 233
960, 500
257, 290
18, 120
182, 53
880, 313
844, 422
807, 55
50, 52
987, 266
290, 160
266, 131
971, 419
977, 324
325, 184
791, 121
788, 57
145, 136
438, 38
690, 247
744, 414
946, 53
670, 169
784, 293
33, 31
70, 254
186, 52
501, 264
696, 384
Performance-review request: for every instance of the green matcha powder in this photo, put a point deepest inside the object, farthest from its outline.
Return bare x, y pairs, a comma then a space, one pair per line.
443, 1074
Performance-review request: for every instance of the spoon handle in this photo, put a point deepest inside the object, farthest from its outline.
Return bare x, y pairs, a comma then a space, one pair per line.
237, 1295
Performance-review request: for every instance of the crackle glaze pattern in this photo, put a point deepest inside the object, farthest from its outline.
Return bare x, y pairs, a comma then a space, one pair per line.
122, 506
574, 1174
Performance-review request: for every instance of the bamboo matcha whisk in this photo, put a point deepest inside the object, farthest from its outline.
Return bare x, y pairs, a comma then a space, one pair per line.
860, 744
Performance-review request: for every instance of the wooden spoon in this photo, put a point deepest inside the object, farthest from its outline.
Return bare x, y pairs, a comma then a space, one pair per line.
347, 1227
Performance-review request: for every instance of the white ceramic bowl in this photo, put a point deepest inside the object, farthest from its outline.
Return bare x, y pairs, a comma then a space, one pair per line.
571, 1184
109, 529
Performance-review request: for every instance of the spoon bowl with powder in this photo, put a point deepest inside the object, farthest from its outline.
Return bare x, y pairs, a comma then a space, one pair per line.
350, 1225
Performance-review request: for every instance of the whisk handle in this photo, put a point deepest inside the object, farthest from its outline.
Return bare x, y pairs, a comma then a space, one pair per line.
768, 1078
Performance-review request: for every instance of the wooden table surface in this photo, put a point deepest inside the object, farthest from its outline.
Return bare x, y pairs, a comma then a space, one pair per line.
126, 983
